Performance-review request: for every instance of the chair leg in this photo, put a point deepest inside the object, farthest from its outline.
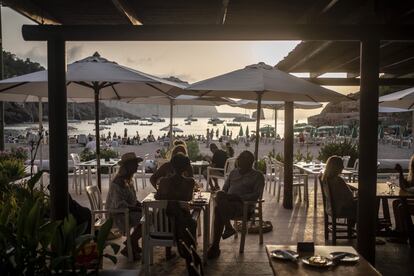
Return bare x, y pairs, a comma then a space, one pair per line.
260, 223
326, 227
244, 229
300, 193
198, 226
278, 192
235, 226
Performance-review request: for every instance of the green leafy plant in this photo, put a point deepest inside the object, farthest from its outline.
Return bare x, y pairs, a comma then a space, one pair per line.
12, 169
279, 157
345, 148
261, 165
308, 157
193, 150
32, 244
15, 153
298, 156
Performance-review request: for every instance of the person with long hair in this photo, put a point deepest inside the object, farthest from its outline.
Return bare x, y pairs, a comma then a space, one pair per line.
167, 169
397, 205
336, 188
122, 195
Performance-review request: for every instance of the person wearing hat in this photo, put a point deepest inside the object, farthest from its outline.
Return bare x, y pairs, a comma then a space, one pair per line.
121, 195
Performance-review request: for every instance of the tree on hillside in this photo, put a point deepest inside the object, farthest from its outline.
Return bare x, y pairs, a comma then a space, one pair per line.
14, 66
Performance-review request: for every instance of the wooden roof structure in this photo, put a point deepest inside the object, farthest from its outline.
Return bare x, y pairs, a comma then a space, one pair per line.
161, 12
320, 57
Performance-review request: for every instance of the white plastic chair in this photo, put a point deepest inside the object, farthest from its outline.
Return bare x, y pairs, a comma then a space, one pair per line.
299, 180
158, 230
228, 167
270, 174
99, 215
141, 174
79, 174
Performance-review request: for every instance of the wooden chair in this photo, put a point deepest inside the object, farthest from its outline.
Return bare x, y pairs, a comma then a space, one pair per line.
99, 215
79, 174
257, 213
158, 229
299, 181
228, 167
331, 219
141, 173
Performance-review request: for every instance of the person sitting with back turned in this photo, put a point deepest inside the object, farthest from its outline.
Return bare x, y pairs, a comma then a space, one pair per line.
167, 169
406, 184
217, 161
342, 195
243, 184
177, 186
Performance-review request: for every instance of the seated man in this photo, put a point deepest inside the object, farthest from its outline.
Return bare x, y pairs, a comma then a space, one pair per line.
177, 186
243, 184
218, 161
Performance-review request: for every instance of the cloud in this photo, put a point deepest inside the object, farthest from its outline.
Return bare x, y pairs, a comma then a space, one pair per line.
36, 54
74, 53
140, 61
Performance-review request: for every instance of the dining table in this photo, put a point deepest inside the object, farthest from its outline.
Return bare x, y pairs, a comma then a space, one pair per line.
315, 169
200, 165
299, 268
388, 190
197, 204
89, 165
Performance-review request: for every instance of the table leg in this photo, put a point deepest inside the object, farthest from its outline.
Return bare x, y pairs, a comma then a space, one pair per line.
89, 176
206, 231
315, 191
409, 222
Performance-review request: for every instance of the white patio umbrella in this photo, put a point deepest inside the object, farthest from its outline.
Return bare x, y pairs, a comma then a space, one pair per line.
264, 82
95, 78
275, 106
403, 99
181, 100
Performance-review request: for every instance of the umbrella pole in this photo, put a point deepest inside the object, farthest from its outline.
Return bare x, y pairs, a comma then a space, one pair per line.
274, 143
171, 122
288, 157
97, 139
256, 146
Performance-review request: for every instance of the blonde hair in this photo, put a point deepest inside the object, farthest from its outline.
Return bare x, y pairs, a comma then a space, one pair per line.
334, 167
411, 169
176, 149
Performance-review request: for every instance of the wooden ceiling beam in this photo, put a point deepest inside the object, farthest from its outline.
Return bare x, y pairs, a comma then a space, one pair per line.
219, 32
310, 55
126, 10
30, 10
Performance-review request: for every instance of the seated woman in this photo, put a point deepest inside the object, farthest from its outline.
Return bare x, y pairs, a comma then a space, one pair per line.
342, 195
399, 212
177, 186
121, 195
167, 169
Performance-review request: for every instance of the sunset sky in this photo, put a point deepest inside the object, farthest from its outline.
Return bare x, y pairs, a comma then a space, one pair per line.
189, 61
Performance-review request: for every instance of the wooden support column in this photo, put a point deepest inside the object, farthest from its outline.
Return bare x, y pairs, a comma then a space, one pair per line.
58, 137
288, 157
2, 123
368, 147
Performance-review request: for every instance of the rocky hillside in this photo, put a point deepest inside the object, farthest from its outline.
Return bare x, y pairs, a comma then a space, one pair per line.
347, 112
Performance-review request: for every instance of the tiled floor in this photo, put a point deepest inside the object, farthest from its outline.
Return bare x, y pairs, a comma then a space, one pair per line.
289, 227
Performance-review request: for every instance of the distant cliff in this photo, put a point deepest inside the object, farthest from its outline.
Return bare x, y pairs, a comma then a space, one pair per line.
347, 112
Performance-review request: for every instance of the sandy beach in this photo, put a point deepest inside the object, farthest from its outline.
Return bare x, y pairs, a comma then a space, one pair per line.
385, 151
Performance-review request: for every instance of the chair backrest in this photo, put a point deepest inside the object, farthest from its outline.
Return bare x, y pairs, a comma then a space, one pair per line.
75, 158
328, 202
229, 165
269, 165
356, 164
143, 165
94, 196
157, 223
345, 160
